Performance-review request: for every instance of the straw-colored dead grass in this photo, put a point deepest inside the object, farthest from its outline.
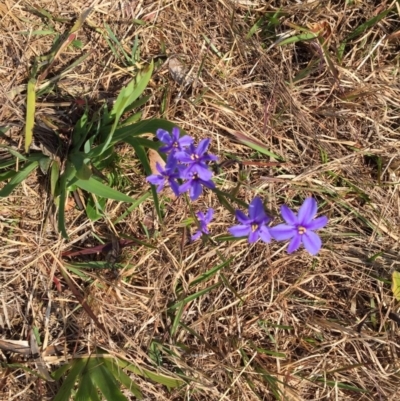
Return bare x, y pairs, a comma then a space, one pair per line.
316, 325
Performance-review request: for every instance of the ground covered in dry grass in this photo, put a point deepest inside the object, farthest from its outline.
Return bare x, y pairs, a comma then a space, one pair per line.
267, 325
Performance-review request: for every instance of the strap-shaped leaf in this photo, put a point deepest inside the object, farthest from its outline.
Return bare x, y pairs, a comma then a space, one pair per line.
126, 97
86, 389
142, 156
18, 178
64, 394
30, 112
123, 378
98, 188
157, 377
54, 176
106, 382
64, 179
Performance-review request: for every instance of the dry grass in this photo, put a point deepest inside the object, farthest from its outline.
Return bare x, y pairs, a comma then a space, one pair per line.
319, 328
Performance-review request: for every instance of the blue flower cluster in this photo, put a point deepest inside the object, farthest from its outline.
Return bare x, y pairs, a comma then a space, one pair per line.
189, 164
185, 162
299, 229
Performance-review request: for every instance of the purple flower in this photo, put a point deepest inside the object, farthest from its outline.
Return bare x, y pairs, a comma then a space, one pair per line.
195, 158
299, 229
169, 174
195, 186
254, 226
204, 221
173, 143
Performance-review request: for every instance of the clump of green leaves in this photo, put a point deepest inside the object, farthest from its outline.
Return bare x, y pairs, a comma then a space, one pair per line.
90, 150
86, 378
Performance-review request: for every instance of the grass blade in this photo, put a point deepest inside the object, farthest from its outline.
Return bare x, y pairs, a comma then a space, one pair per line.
123, 378
142, 156
86, 388
210, 273
64, 394
156, 377
18, 178
126, 97
106, 382
54, 176
30, 113
98, 188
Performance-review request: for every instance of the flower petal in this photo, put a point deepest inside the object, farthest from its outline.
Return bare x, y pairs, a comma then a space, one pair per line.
317, 223
242, 217
209, 184
312, 242
240, 230
209, 215
185, 186
202, 171
185, 141
253, 236
256, 210
282, 232
196, 235
175, 134
171, 162
165, 149
155, 179
202, 146
196, 190
164, 136
288, 215
175, 187
200, 216
183, 157
294, 243
208, 157
264, 234
307, 211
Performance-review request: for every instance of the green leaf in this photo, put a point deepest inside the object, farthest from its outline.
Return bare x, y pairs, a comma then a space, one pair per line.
142, 156
130, 131
78, 44
54, 176
359, 30
106, 382
44, 164
256, 145
6, 175
194, 296
177, 318
65, 177
210, 273
114, 38
132, 207
81, 129
4, 129
123, 378
140, 102
298, 38
126, 97
30, 113
64, 394
86, 388
14, 152
98, 188
18, 178
84, 173
396, 285
157, 377
91, 211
